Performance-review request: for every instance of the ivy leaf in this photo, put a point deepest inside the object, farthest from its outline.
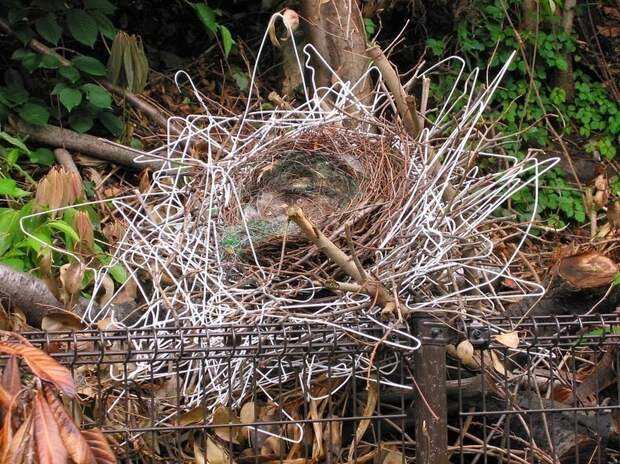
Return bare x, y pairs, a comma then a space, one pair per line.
49, 62
70, 73
42, 156
97, 95
105, 25
34, 113
9, 228
9, 188
561, 63
227, 40
89, 65
70, 98
102, 5
206, 16
81, 121
112, 123
48, 28
82, 26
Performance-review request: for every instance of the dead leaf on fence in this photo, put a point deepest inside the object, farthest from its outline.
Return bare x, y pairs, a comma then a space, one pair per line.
509, 339
371, 404
223, 416
49, 448
193, 416
216, 454
498, 365
249, 412
465, 352
43, 366
108, 290
11, 377
272, 446
74, 442
62, 321
99, 446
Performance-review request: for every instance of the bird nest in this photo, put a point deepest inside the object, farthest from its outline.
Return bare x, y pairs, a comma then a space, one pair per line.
338, 177
311, 215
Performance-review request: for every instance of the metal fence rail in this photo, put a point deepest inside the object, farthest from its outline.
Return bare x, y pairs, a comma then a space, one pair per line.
280, 393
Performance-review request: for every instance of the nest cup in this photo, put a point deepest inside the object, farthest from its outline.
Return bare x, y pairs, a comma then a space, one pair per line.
336, 175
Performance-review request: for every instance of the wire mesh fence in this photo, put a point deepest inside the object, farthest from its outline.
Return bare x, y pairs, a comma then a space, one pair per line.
545, 391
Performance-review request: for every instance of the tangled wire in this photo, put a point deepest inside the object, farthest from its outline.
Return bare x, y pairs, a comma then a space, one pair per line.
210, 244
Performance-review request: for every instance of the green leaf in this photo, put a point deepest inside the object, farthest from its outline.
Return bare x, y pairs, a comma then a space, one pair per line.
70, 98
70, 73
81, 121
561, 63
49, 62
118, 273
104, 6
207, 16
28, 59
97, 95
48, 28
82, 26
112, 123
227, 40
59, 87
9, 188
616, 280
89, 65
14, 141
62, 226
15, 263
42, 156
34, 114
105, 25
9, 228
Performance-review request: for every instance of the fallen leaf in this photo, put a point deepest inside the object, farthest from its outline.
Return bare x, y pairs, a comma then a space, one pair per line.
43, 366
371, 404
21, 446
216, 454
99, 446
498, 365
76, 445
224, 416
193, 416
62, 321
465, 352
48, 445
11, 377
509, 339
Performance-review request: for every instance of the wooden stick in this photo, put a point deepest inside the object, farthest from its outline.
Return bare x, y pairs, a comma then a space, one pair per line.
371, 288
87, 144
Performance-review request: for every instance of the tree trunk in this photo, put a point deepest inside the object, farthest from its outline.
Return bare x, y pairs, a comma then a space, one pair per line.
336, 29
565, 77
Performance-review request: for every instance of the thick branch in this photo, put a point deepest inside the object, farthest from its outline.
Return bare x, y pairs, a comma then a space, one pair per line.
84, 143
27, 293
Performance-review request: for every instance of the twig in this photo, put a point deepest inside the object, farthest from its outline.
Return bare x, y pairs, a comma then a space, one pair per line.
373, 289
87, 144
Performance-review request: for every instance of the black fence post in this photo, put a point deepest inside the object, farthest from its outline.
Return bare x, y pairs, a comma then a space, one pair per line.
429, 370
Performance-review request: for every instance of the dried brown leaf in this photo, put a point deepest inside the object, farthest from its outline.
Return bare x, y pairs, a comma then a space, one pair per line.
62, 321
71, 275
216, 454
99, 446
11, 377
193, 416
48, 445
498, 365
509, 339
21, 449
76, 445
465, 352
371, 404
43, 366
224, 416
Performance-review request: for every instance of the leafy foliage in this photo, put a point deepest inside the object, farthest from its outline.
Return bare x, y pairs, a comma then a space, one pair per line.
529, 93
